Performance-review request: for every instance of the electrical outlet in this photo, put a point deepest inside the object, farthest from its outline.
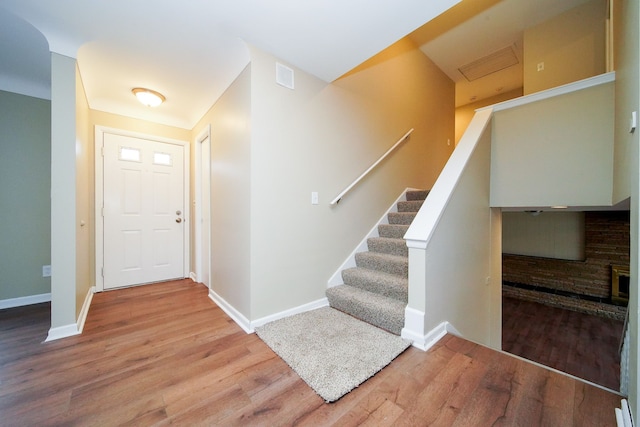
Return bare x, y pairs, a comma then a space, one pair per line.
46, 271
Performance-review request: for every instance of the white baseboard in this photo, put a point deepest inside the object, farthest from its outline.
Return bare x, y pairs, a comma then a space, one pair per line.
21, 301
235, 315
193, 277
414, 330
249, 326
84, 311
62, 332
623, 415
323, 302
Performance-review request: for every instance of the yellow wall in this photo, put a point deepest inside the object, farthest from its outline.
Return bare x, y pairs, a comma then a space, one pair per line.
571, 46
85, 234
465, 113
100, 118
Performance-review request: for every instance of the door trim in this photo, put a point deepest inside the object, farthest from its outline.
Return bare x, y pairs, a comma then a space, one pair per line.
99, 194
199, 243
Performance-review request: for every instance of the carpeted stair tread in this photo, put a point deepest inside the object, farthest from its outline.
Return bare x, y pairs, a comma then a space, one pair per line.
404, 218
383, 312
387, 245
394, 231
417, 194
376, 290
391, 264
388, 285
410, 206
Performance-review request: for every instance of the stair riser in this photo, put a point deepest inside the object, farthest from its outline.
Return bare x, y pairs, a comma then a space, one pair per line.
388, 264
416, 195
393, 231
404, 218
380, 283
410, 206
386, 316
396, 247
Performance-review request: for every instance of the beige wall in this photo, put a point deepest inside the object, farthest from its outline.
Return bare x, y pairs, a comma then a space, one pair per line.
320, 137
571, 45
550, 162
465, 113
230, 120
558, 235
85, 223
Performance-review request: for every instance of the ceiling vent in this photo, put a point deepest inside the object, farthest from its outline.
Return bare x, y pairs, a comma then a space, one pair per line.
499, 60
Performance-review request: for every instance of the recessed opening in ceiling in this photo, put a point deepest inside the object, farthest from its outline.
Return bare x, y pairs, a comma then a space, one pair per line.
496, 61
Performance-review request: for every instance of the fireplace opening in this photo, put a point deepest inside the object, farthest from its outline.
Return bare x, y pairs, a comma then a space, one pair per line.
620, 284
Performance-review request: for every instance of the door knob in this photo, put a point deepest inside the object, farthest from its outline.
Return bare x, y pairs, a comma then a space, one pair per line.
178, 220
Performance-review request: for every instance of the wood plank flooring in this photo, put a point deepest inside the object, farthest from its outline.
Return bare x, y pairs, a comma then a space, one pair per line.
580, 344
165, 354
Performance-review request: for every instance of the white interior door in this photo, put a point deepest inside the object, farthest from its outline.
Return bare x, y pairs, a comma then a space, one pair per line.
204, 211
144, 227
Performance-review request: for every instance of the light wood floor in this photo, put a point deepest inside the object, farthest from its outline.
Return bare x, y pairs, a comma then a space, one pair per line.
165, 354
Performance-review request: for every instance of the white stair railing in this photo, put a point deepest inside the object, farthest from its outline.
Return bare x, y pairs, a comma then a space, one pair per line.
365, 173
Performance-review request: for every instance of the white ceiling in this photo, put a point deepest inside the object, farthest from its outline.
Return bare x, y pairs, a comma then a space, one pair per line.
192, 50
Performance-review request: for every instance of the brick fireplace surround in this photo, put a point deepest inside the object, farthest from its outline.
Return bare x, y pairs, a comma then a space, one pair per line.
583, 286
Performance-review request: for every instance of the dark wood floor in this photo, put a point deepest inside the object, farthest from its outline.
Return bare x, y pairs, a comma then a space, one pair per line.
580, 344
165, 354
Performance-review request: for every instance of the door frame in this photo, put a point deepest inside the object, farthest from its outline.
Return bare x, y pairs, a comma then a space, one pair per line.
100, 131
201, 264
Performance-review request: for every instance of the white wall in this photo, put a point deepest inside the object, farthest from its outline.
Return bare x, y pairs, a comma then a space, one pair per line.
319, 137
458, 259
455, 249
63, 192
540, 160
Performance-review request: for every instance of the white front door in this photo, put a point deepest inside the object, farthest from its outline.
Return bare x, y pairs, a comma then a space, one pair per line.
144, 212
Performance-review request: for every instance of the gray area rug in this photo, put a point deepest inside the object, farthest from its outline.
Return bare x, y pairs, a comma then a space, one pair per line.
331, 351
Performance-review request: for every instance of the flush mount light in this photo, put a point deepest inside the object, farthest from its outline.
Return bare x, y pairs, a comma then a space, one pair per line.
148, 97
559, 207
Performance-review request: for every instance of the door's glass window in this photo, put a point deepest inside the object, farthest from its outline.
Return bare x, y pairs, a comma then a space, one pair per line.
130, 154
163, 159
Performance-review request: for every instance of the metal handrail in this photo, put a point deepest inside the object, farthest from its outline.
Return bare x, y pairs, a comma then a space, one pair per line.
358, 179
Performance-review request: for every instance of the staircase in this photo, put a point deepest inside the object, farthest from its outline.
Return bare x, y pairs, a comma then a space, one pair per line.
375, 291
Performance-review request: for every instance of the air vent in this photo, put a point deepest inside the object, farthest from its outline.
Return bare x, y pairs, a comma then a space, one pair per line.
499, 60
284, 75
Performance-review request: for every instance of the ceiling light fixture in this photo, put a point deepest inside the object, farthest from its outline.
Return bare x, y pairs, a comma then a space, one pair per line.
559, 207
148, 97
